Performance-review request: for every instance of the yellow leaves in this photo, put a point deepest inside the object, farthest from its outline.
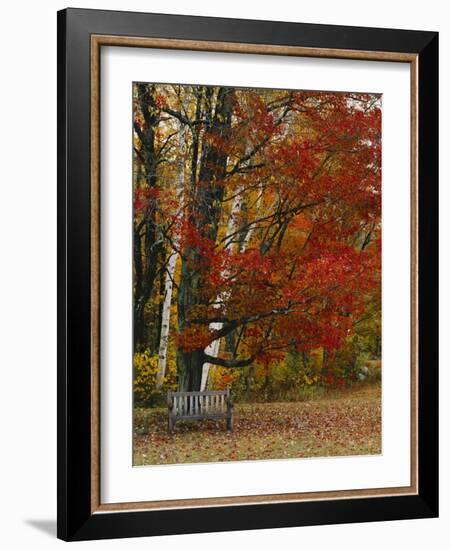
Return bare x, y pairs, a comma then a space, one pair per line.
146, 374
317, 358
146, 370
220, 378
309, 380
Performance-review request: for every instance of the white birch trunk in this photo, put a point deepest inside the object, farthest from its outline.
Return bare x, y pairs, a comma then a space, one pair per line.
170, 272
214, 346
250, 231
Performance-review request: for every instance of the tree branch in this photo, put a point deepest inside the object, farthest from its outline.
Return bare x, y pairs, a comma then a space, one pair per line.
228, 363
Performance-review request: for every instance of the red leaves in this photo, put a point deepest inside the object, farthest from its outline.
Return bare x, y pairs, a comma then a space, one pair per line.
252, 263
160, 101
143, 198
261, 122
194, 337
192, 238
253, 332
346, 423
297, 173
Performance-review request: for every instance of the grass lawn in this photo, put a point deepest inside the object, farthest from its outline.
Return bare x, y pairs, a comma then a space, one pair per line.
346, 422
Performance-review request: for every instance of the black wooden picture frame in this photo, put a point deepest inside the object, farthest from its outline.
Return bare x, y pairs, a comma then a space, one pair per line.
78, 518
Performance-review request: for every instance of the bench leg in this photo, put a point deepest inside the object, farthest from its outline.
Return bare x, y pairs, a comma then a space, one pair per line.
230, 423
229, 412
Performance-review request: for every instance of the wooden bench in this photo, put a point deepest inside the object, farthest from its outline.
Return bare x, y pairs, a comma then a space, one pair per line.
199, 405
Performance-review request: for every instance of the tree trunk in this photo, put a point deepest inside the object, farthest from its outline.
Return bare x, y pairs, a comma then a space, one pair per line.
205, 213
171, 266
189, 368
165, 320
146, 252
214, 347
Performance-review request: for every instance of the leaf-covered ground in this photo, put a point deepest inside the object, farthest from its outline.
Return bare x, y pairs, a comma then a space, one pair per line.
346, 423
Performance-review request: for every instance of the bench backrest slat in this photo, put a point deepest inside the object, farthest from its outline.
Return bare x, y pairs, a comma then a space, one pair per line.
200, 405
200, 393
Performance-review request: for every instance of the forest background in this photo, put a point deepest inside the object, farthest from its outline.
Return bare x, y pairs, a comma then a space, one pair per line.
257, 241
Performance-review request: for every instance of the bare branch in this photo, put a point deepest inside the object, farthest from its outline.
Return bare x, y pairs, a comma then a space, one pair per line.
228, 363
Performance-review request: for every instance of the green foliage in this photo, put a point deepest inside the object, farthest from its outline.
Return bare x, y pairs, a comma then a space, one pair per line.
373, 371
297, 378
300, 376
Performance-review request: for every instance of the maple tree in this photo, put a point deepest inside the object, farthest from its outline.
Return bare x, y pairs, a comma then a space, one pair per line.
259, 212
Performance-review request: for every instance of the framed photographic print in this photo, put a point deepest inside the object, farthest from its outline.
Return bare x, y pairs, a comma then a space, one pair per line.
247, 274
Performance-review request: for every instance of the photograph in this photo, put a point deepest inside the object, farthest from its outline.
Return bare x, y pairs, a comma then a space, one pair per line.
257, 233
247, 273
224, 281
